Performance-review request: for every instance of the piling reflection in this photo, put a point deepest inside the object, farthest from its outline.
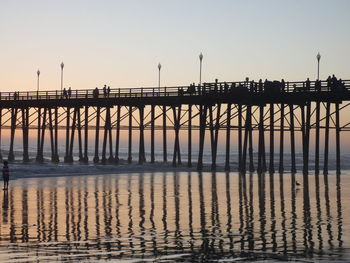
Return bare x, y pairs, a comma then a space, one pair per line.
188, 216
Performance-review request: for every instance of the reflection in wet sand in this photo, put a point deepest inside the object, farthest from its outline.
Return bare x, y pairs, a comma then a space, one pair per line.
179, 216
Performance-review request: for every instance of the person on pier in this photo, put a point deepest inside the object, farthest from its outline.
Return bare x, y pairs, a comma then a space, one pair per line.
6, 175
307, 85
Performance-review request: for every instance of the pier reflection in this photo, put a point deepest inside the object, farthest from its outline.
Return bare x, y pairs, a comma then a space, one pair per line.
184, 216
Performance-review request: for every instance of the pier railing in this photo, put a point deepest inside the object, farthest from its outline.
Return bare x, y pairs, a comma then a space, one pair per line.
192, 90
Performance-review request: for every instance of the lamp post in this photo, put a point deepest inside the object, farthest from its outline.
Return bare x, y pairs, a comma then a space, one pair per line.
318, 65
62, 66
37, 84
200, 68
159, 67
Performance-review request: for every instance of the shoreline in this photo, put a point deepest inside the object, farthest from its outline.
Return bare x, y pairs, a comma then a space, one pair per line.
35, 170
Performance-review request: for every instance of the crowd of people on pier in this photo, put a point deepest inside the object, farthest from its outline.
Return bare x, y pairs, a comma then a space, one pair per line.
267, 86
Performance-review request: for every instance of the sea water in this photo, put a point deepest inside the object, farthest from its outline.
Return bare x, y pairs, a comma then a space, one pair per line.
175, 216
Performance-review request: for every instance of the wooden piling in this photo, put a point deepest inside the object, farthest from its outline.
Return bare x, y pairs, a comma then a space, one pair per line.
202, 128
165, 158
250, 134
130, 136
337, 137
292, 139
228, 137
317, 138
25, 129
152, 133
39, 134
326, 137
66, 157
240, 137
261, 138
71, 145
177, 153
57, 159
189, 156
281, 165
52, 142
272, 139
141, 141
117, 135
97, 134
40, 157
86, 134
81, 158
11, 156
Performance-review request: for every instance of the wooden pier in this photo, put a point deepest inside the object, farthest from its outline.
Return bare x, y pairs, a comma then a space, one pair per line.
230, 112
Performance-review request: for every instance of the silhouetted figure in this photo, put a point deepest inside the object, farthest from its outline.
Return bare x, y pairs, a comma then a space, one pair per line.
69, 92
104, 91
307, 84
64, 93
216, 86
108, 90
95, 93
283, 85
334, 82
6, 175
251, 86
260, 85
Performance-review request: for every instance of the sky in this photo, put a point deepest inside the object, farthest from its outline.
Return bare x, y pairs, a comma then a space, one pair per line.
120, 43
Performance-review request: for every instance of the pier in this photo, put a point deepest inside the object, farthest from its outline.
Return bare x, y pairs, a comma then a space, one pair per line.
276, 112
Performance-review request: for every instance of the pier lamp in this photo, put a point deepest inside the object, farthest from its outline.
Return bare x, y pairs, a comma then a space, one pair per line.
200, 68
62, 66
37, 84
318, 65
159, 67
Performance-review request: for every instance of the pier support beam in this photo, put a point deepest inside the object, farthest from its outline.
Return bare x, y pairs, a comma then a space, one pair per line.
117, 139
57, 158
214, 134
250, 133
228, 137
261, 147
240, 137
66, 157
337, 137
281, 165
292, 139
142, 157
272, 139
71, 145
81, 158
152, 132
25, 129
246, 137
177, 153
317, 139
11, 156
326, 137
52, 142
202, 128
130, 136
86, 134
97, 134
189, 156
40, 154
165, 158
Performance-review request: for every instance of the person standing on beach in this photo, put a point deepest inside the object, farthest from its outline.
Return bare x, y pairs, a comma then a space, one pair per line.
6, 175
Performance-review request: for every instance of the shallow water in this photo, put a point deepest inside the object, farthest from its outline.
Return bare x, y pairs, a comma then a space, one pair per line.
184, 216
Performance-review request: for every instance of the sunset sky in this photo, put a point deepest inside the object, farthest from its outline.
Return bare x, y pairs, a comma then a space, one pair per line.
120, 43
